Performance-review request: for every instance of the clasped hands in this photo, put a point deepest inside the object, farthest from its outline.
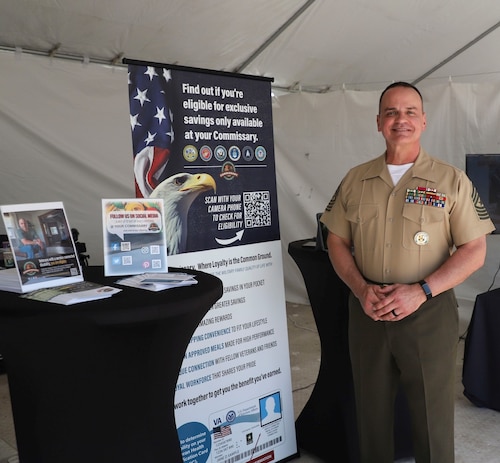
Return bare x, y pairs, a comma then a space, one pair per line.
392, 302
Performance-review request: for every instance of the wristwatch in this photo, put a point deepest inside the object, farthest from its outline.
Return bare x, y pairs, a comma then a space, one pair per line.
425, 287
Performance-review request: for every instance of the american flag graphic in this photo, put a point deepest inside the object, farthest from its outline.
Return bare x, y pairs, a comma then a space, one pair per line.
151, 124
221, 431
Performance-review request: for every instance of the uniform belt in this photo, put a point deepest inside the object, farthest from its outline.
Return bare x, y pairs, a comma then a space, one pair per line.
377, 283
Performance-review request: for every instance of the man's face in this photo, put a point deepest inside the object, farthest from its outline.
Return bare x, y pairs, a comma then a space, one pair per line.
401, 119
23, 224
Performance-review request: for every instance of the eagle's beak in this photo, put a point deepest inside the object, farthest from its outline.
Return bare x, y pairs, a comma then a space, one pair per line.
201, 182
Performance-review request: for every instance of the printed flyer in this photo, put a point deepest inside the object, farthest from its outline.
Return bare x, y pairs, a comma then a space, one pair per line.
42, 246
234, 394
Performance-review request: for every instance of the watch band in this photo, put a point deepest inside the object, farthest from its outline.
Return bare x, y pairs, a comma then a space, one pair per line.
425, 287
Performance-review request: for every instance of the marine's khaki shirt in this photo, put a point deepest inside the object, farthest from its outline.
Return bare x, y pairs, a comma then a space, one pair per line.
402, 234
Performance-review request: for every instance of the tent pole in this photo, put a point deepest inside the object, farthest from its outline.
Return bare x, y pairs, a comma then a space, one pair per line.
458, 52
274, 36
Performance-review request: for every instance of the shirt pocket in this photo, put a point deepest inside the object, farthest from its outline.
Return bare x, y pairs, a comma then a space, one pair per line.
424, 219
363, 218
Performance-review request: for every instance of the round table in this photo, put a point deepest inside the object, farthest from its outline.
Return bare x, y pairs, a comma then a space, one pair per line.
95, 382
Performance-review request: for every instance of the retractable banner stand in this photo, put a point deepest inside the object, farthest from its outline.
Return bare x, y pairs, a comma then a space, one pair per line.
203, 141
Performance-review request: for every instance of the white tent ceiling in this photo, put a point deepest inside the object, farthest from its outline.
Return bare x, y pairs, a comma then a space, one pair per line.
308, 45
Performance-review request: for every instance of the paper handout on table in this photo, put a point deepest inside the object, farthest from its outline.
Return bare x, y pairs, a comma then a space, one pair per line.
9, 280
158, 281
72, 293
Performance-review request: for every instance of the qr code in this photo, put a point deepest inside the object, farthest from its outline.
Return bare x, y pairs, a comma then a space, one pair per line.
257, 209
126, 260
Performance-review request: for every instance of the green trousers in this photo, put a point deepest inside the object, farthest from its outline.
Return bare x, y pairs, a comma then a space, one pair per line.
418, 352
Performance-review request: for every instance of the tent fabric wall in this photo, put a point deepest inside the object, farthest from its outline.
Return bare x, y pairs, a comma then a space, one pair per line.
65, 135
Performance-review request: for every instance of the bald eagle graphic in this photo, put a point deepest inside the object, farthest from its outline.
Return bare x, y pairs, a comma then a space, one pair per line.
178, 193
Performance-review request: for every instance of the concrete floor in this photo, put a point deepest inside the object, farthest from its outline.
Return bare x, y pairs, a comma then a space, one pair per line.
305, 359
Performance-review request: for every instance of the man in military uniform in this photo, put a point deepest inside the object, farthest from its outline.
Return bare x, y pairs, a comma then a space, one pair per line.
404, 230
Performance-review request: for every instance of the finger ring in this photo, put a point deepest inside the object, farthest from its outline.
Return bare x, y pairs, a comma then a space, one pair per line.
394, 313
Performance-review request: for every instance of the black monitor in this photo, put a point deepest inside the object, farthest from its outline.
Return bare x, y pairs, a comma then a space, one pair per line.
484, 171
321, 233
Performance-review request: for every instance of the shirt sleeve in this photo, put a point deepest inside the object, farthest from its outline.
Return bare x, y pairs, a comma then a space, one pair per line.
334, 216
469, 218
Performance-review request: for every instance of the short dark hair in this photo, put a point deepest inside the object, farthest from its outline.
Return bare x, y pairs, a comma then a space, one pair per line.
399, 84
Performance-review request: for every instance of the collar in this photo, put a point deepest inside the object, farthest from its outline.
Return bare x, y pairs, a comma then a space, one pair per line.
421, 168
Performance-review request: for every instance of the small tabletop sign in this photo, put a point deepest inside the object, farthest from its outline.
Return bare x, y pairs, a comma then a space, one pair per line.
134, 236
42, 246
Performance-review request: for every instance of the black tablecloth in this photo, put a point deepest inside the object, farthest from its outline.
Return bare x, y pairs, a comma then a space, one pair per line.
135, 305
327, 427
95, 382
481, 367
